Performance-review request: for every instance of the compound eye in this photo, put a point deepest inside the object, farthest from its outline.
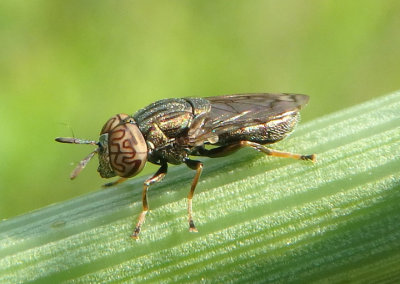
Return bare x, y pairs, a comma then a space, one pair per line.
113, 122
127, 150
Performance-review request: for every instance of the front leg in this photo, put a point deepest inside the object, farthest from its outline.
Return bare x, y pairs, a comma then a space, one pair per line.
118, 181
158, 176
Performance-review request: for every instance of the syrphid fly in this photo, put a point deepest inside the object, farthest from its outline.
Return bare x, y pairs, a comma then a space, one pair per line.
173, 130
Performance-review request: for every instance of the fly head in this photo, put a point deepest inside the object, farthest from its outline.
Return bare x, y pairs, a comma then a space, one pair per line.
122, 148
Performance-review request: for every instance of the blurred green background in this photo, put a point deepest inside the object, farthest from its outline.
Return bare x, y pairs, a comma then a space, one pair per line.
67, 66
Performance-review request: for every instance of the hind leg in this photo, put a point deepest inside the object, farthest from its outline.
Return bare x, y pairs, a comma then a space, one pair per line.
223, 151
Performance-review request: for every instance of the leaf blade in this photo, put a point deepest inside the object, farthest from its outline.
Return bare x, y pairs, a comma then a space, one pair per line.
279, 220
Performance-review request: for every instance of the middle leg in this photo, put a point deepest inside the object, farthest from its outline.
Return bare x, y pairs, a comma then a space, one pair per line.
198, 166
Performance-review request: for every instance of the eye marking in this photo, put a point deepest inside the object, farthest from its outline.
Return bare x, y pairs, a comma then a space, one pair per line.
113, 122
123, 146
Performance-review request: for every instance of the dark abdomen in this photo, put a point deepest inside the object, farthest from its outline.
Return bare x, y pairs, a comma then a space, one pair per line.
265, 133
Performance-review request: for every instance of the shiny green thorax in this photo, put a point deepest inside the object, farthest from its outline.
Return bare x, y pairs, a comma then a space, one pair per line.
171, 116
165, 123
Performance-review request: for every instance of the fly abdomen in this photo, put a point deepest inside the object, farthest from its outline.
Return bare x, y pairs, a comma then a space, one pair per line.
269, 132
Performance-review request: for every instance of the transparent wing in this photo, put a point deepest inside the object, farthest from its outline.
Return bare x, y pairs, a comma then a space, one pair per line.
232, 112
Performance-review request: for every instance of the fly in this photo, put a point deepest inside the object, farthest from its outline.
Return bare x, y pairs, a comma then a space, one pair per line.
169, 131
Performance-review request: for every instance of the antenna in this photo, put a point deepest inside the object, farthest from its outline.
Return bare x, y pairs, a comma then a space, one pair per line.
82, 164
75, 141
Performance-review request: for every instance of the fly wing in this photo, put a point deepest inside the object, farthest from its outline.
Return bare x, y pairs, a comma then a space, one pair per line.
232, 112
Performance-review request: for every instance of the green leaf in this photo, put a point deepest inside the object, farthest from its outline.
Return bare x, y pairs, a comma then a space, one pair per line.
260, 218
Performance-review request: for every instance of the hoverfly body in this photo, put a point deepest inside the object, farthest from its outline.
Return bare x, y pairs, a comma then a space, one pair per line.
172, 130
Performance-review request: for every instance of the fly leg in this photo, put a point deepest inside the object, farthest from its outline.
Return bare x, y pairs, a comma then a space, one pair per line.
118, 181
198, 166
158, 176
231, 148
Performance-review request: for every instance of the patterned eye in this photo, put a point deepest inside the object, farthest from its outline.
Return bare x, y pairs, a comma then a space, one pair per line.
127, 147
113, 122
